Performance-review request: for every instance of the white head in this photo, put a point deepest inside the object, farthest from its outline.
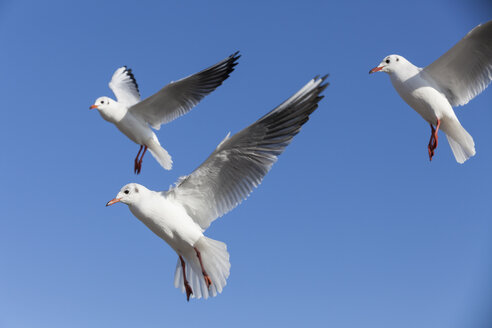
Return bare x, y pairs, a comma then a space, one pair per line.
103, 103
129, 194
390, 64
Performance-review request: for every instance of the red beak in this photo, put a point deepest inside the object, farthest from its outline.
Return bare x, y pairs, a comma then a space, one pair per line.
375, 69
93, 106
113, 201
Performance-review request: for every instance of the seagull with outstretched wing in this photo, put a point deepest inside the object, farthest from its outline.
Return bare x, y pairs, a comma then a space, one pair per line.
135, 118
454, 79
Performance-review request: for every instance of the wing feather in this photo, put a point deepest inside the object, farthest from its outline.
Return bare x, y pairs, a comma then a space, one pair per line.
240, 162
178, 98
465, 70
125, 87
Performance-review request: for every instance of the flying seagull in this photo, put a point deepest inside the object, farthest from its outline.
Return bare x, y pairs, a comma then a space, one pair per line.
135, 118
181, 215
452, 80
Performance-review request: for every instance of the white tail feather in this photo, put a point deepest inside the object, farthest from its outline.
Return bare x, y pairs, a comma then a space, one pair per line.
160, 154
215, 260
459, 139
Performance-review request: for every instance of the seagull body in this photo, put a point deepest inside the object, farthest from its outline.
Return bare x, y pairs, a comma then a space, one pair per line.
181, 215
454, 79
167, 218
135, 118
131, 125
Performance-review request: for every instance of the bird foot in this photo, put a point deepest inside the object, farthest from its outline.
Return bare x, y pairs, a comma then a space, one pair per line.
431, 152
208, 281
188, 290
433, 139
138, 167
138, 161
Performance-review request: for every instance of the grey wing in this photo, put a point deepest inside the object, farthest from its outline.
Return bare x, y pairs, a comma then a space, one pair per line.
125, 87
240, 162
178, 98
465, 70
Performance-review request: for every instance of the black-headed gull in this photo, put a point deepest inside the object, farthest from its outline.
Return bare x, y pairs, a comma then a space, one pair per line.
182, 214
134, 117
453, 79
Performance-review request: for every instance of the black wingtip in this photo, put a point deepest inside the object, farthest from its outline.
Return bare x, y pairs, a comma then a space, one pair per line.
324, 84
233, 58
132, 77
322, 78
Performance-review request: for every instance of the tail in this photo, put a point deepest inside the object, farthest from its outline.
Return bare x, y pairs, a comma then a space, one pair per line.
159, 153
215, 259
461, 142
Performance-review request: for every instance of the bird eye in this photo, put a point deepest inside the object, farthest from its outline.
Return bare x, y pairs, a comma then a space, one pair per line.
387, 61
397, 59
102, 101
126, 191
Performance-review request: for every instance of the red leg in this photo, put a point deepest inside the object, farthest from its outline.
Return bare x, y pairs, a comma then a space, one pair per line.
434, 139
435, 133
208, 281
188, 289
141, 159
135, 169
431, 143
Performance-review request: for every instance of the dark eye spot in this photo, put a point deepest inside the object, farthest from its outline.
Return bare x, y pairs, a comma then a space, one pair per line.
102, 101
397, 59
387, 61
126, 191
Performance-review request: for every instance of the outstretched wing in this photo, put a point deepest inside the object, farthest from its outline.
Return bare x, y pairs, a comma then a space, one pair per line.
465, 70
125, 87
240, 162
178, 98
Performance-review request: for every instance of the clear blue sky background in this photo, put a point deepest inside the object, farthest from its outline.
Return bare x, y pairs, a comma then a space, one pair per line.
353, 227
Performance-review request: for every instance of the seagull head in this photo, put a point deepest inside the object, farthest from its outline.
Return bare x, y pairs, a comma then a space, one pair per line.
389, 64
129, 194
102, 103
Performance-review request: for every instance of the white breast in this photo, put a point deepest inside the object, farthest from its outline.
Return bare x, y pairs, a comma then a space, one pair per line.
138, 131
169, 220
132, 126
422, 95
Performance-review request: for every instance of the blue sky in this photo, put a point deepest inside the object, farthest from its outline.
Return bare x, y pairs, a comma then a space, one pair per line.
353, 227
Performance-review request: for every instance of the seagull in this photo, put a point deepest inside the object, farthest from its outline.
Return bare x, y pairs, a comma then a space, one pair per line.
181, 214
454, 79
134, 117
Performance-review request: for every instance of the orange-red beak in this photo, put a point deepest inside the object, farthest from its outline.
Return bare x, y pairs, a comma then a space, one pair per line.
113, 201
93, 106
375, 69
